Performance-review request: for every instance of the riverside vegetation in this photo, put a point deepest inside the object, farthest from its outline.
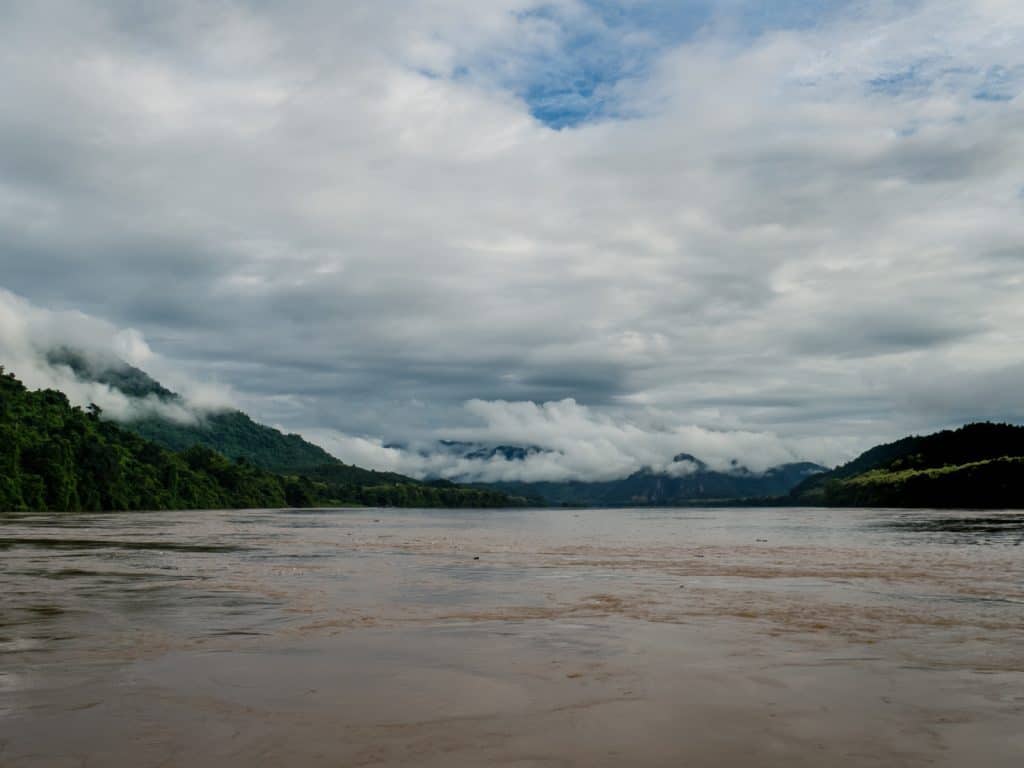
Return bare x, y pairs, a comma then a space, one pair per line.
976, 466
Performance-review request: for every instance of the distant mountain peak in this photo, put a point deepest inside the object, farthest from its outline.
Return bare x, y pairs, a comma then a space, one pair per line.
506, 452
112, 371
679, 458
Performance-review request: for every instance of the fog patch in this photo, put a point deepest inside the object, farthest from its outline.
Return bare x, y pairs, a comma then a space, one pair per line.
569, 441
31, 335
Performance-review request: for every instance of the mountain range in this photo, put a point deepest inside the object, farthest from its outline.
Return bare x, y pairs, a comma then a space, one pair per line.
648, 487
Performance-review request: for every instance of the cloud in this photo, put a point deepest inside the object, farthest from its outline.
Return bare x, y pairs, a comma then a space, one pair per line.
569, 441
28, 334
789, 220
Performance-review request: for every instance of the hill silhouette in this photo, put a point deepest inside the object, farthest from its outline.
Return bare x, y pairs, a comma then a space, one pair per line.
976, 466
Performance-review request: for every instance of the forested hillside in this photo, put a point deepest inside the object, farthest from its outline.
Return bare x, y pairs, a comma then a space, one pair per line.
54, 456
237, 436
229, 432
978, 465
57, 457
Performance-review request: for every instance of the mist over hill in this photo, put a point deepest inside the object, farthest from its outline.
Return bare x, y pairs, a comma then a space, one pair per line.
977, 465
230, 432
237, 436
55, 456
690, 481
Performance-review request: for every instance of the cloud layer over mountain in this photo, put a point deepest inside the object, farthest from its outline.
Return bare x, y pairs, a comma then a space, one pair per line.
794, 232
29, 335
567, 441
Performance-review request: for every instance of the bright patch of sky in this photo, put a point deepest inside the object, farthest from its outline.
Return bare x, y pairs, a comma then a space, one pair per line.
586, 53
592, 46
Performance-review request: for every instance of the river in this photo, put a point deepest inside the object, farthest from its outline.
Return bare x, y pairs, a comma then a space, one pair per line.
553, 637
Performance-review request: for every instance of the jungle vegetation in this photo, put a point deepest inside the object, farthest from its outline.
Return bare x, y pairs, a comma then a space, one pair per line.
976, 466
58, 457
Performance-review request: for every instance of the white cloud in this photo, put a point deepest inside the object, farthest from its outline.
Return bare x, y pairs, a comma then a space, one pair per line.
29, 333
799, 233
568, 441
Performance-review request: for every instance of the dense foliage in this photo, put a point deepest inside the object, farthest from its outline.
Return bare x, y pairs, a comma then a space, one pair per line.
57, 457
237, 436
54, 456
403, 492
978, 465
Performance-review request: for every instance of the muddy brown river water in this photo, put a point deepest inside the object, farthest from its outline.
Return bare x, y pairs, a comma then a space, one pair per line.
669, 637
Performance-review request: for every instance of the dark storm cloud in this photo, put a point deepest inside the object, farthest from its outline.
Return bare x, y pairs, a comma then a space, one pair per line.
884, 332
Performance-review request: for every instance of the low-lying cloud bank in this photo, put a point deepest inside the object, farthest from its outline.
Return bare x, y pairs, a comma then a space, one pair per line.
29, 334
569, 441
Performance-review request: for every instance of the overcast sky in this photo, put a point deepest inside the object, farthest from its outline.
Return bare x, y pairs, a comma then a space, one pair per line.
618, 231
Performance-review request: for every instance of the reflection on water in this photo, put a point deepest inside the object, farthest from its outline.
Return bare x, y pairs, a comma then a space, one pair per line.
969, 529
519, 637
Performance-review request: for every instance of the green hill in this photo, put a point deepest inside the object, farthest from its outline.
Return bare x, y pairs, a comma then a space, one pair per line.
976, 466
237, 436
231, 433
57, 457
